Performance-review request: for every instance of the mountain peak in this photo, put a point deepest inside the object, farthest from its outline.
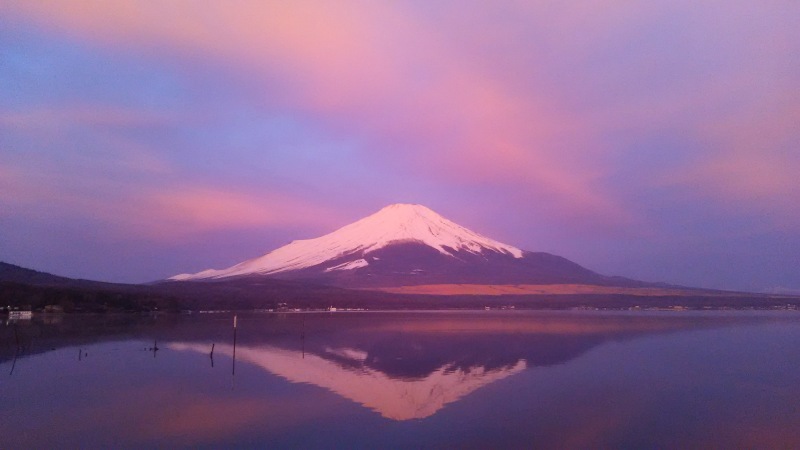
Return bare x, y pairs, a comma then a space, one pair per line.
408, 207
404, 212
396, 223
410, 222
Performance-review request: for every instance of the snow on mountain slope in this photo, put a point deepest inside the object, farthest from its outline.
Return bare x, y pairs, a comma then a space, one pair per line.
393, 224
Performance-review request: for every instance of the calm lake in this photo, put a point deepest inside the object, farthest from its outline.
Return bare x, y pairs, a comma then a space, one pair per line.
403, 380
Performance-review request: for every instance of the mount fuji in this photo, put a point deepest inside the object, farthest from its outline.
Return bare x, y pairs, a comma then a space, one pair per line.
407, 245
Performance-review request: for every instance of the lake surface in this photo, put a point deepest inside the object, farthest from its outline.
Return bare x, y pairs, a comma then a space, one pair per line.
403, 380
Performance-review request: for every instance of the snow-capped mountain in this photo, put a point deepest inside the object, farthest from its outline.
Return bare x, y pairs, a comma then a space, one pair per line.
399, 223
399, 245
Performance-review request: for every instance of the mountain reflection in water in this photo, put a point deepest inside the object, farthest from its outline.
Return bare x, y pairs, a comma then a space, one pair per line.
412, 368
393, 398
403, 380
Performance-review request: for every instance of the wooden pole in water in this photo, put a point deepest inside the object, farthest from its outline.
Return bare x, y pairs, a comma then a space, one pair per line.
211, 355
233, 367
14, 364
16, 352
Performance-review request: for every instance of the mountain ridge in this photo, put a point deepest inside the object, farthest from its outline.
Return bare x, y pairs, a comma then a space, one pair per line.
258, 292
394, 224
404, 244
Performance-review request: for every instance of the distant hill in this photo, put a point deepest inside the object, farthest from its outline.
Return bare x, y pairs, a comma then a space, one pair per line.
26, 288
17, 274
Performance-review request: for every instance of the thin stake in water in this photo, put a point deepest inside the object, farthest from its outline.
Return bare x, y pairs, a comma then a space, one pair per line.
233, 367
16, 352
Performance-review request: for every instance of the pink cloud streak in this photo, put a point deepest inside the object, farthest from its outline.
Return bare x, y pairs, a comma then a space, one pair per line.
425, 100
156, 213
350, 64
